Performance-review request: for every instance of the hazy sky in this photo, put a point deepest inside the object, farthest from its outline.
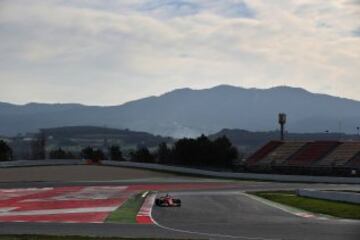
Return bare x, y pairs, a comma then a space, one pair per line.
106, 52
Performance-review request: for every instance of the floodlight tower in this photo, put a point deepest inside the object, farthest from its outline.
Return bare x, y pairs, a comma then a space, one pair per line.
282, 122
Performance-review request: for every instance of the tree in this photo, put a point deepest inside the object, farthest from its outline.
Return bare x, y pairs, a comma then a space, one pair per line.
5, 151
163, 153
225, 152
115, 153
60, 154
38, 146
142, 155
87, 153
99, 155
186, 151
204, 152
91, 154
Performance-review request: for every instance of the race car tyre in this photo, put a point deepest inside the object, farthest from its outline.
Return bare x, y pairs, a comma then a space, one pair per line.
178, 202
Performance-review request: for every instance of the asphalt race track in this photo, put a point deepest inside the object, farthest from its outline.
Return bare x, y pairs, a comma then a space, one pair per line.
221, 212
208, 215
217, 214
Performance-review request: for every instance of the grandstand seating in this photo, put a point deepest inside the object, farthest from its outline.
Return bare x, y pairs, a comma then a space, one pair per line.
341, 155
312, 152
282, 153
315, 157
354, 162
263, 152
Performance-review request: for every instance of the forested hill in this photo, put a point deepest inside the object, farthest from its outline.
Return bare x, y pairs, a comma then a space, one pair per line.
126, 137
188, 112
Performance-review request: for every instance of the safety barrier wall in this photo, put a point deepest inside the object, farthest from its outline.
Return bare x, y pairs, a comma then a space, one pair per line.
350, 197
191, 171
232, 175
49, 162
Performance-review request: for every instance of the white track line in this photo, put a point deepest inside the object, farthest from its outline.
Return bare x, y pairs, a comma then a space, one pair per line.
144, 194
58, 211
7, 209
25, 189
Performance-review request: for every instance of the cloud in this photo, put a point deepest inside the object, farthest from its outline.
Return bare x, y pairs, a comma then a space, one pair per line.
170, 8
356, 32
231, 9
70, 50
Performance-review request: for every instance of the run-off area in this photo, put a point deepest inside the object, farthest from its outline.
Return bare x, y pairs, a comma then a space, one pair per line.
75, 204
91, 204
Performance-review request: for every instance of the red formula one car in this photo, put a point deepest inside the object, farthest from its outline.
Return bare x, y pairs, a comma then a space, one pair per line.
167, 201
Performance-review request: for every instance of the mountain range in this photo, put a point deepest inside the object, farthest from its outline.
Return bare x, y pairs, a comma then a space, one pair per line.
188, 112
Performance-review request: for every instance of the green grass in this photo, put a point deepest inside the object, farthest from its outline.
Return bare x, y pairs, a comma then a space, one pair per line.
332, 208
128, 211
47, 237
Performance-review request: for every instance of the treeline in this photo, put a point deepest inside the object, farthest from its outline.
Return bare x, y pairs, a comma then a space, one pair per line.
5, 151
199, 152
90, 153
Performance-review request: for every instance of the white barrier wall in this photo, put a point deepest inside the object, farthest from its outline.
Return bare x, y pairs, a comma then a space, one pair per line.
186, 170
231, 175
350, 197
48, 162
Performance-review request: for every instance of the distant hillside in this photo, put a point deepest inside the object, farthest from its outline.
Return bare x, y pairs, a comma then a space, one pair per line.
187, 112
250, 141
90, 133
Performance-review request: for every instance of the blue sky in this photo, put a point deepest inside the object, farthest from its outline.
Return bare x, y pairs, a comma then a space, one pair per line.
109, 52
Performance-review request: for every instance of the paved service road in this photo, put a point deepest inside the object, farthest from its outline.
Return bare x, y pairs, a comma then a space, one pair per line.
218, 214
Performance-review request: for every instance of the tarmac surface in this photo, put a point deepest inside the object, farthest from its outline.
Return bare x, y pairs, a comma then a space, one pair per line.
223, 212
234, 215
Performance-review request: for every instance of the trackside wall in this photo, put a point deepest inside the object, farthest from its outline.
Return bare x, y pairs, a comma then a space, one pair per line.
330, 195
231, 175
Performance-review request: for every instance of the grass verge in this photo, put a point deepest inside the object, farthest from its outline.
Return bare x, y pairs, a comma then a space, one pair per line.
47, 237
127, 212
332, 208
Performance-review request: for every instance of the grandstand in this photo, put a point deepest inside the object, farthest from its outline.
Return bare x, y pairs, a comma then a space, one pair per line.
354, 162
312, 152
313, 157
263, 152
341, 155
282, 153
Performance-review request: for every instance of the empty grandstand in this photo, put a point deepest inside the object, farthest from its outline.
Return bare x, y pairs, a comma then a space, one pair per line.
280, 155
354, 163
341, 155
313, 157
263, 152
312, 152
